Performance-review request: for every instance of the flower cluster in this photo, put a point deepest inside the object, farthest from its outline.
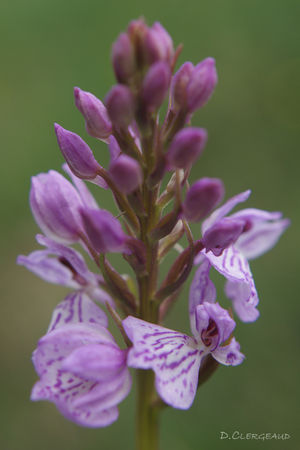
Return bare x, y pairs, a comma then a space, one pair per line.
80, 366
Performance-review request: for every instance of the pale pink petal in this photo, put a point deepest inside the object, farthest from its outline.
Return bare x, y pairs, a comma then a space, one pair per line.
96, 362
244, 299
174, 357
261, 237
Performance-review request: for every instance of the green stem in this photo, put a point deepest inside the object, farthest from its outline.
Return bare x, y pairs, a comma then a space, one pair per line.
147, 414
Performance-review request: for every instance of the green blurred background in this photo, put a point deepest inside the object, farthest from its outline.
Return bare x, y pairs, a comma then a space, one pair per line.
253, 125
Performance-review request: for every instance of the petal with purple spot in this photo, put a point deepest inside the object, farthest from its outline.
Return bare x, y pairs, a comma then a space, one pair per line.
230, 354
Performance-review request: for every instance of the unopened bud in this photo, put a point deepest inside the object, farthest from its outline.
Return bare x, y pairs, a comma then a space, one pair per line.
103, 230
55, 205
222, 234
202, 198
126, 173
94, 112
123, 58
186, 147
114, 148
156, 85
120, 106
137, 30
202, 83
179, 86
158, 44
77, 153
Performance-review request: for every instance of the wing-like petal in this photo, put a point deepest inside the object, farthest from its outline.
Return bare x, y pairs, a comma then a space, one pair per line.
261, 237
202, 290
225, 209
174, 357
230, 354
78, 308
49, 269
234, 266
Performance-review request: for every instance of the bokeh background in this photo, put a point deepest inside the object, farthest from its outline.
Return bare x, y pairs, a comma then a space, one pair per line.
253, 123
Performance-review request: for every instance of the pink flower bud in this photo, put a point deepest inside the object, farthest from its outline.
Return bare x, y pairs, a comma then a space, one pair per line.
202, 198
120, 106
179, 86
97, 122
186, 147
158, 44
126, 173
123, 58
222, 234
156, 85
103, 230
77, 153
202, 83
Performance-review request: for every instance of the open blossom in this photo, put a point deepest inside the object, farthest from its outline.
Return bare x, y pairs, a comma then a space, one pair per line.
262, 229
176, 357
81, 368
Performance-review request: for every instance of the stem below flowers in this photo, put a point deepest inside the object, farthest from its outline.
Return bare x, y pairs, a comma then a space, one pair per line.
147, 414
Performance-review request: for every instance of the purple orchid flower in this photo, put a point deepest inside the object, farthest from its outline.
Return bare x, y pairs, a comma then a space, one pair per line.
175, 357
81, 368
262, 229
59, 264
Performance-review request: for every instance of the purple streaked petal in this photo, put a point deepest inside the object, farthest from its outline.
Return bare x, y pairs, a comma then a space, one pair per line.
49, 269
106, 394
56, 345
87, 418
96, 362
202, 290
77, 308
174, 357
230, 354
244, 299
231, 264
225, 209
261, 237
